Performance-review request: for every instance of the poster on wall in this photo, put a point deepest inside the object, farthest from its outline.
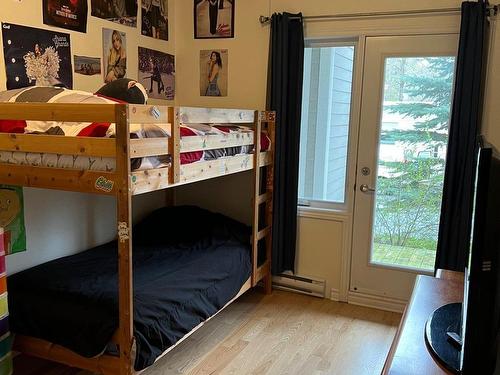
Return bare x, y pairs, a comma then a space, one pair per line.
36, 57
123, 12
88, 66
213, 19
67, 14
213, 72
155, 19
12, 218
157, 73
114, 47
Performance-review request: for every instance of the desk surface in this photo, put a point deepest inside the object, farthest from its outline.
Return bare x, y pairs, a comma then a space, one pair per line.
409, 354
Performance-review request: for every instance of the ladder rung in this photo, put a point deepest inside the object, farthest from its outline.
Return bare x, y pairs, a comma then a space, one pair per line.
263, 233
266, 197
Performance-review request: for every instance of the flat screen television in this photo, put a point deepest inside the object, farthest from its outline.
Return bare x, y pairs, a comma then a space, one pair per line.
481, 305
466, 336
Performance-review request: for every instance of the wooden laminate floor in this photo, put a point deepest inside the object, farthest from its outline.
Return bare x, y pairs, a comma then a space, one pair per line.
283, 333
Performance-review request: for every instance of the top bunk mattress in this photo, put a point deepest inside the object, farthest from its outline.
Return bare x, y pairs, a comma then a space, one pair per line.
180, 279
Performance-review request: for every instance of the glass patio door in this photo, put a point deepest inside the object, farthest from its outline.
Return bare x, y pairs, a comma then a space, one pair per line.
406, 100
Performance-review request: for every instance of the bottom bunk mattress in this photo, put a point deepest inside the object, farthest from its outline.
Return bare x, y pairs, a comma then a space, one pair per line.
183, 274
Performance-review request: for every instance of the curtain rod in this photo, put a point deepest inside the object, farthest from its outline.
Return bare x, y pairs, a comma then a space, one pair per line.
493, 11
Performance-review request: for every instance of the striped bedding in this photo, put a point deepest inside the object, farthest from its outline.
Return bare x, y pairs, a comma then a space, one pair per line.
37, 94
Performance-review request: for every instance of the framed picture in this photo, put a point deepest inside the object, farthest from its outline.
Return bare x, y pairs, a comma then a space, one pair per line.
213, 72
157, 73
154, 20
114, 52
71, 15
36, 57
213, 19
123, 12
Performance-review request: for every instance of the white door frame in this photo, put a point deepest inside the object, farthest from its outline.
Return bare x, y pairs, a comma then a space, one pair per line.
360, 30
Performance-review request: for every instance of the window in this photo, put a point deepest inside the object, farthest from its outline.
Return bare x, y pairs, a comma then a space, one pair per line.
324, 137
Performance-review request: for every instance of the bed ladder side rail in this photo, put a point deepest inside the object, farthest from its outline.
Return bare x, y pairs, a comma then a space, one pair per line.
263, 122
124, 223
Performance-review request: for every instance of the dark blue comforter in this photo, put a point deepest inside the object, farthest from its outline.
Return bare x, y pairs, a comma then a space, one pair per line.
188, 263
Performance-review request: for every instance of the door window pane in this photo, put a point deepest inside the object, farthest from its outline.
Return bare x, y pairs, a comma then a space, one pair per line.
326, 105
412, 151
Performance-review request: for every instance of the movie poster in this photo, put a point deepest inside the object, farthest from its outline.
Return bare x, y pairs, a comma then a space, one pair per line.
213, 72
36, 57
68, 14
157, 73
213, 19
114, 52
88, 66
123, 12
155, 19
12, 218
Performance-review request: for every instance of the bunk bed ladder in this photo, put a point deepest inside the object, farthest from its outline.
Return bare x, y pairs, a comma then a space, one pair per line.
264, 121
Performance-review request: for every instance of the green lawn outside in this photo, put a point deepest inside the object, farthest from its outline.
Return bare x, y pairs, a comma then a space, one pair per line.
404, 256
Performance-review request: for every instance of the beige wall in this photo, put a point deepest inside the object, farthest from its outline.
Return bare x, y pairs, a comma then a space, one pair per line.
321, 242
60, 223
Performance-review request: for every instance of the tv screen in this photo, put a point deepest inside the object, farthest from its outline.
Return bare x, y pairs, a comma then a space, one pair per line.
481, 298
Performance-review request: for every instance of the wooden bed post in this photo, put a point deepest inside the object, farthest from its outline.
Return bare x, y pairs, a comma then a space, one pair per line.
124, 222
174, 145
255, 201
271, 132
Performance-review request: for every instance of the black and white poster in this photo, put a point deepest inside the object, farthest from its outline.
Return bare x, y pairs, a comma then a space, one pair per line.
67, 14
123, 12
213, 19
157, 73
155, 19
36, 57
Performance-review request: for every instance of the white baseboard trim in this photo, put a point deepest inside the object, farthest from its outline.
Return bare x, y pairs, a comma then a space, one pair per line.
376, 302
335, 294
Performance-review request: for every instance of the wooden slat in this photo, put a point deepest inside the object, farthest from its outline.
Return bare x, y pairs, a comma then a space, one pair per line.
262, 271
124, 220
263, 233
95, 182
214, 168
77, 112
104, 364
216, 141
55, 144
263, 198
193, 115
148, 114
144, 147
150, 180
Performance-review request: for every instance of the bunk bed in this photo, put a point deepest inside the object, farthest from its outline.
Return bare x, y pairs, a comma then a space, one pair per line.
248, 145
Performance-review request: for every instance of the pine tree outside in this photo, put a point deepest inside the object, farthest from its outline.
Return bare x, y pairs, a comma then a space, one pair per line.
413, 140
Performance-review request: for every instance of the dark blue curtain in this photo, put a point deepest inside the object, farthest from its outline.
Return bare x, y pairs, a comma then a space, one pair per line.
458, 193
286, 67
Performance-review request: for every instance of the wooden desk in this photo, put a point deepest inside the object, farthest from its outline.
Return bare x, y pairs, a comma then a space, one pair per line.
409, 354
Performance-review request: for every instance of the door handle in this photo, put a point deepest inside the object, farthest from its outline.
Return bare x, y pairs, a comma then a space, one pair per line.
366, 189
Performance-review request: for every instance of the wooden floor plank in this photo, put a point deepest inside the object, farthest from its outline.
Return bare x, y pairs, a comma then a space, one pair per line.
277, 334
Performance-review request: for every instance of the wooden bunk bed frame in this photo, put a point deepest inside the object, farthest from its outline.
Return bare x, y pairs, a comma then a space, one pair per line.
122, 183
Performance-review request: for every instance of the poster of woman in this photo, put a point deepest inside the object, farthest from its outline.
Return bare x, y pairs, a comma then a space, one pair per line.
123, 12
213, 19
68, 14
36, 57
155, 19
213, 72
114, 54
157, 73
